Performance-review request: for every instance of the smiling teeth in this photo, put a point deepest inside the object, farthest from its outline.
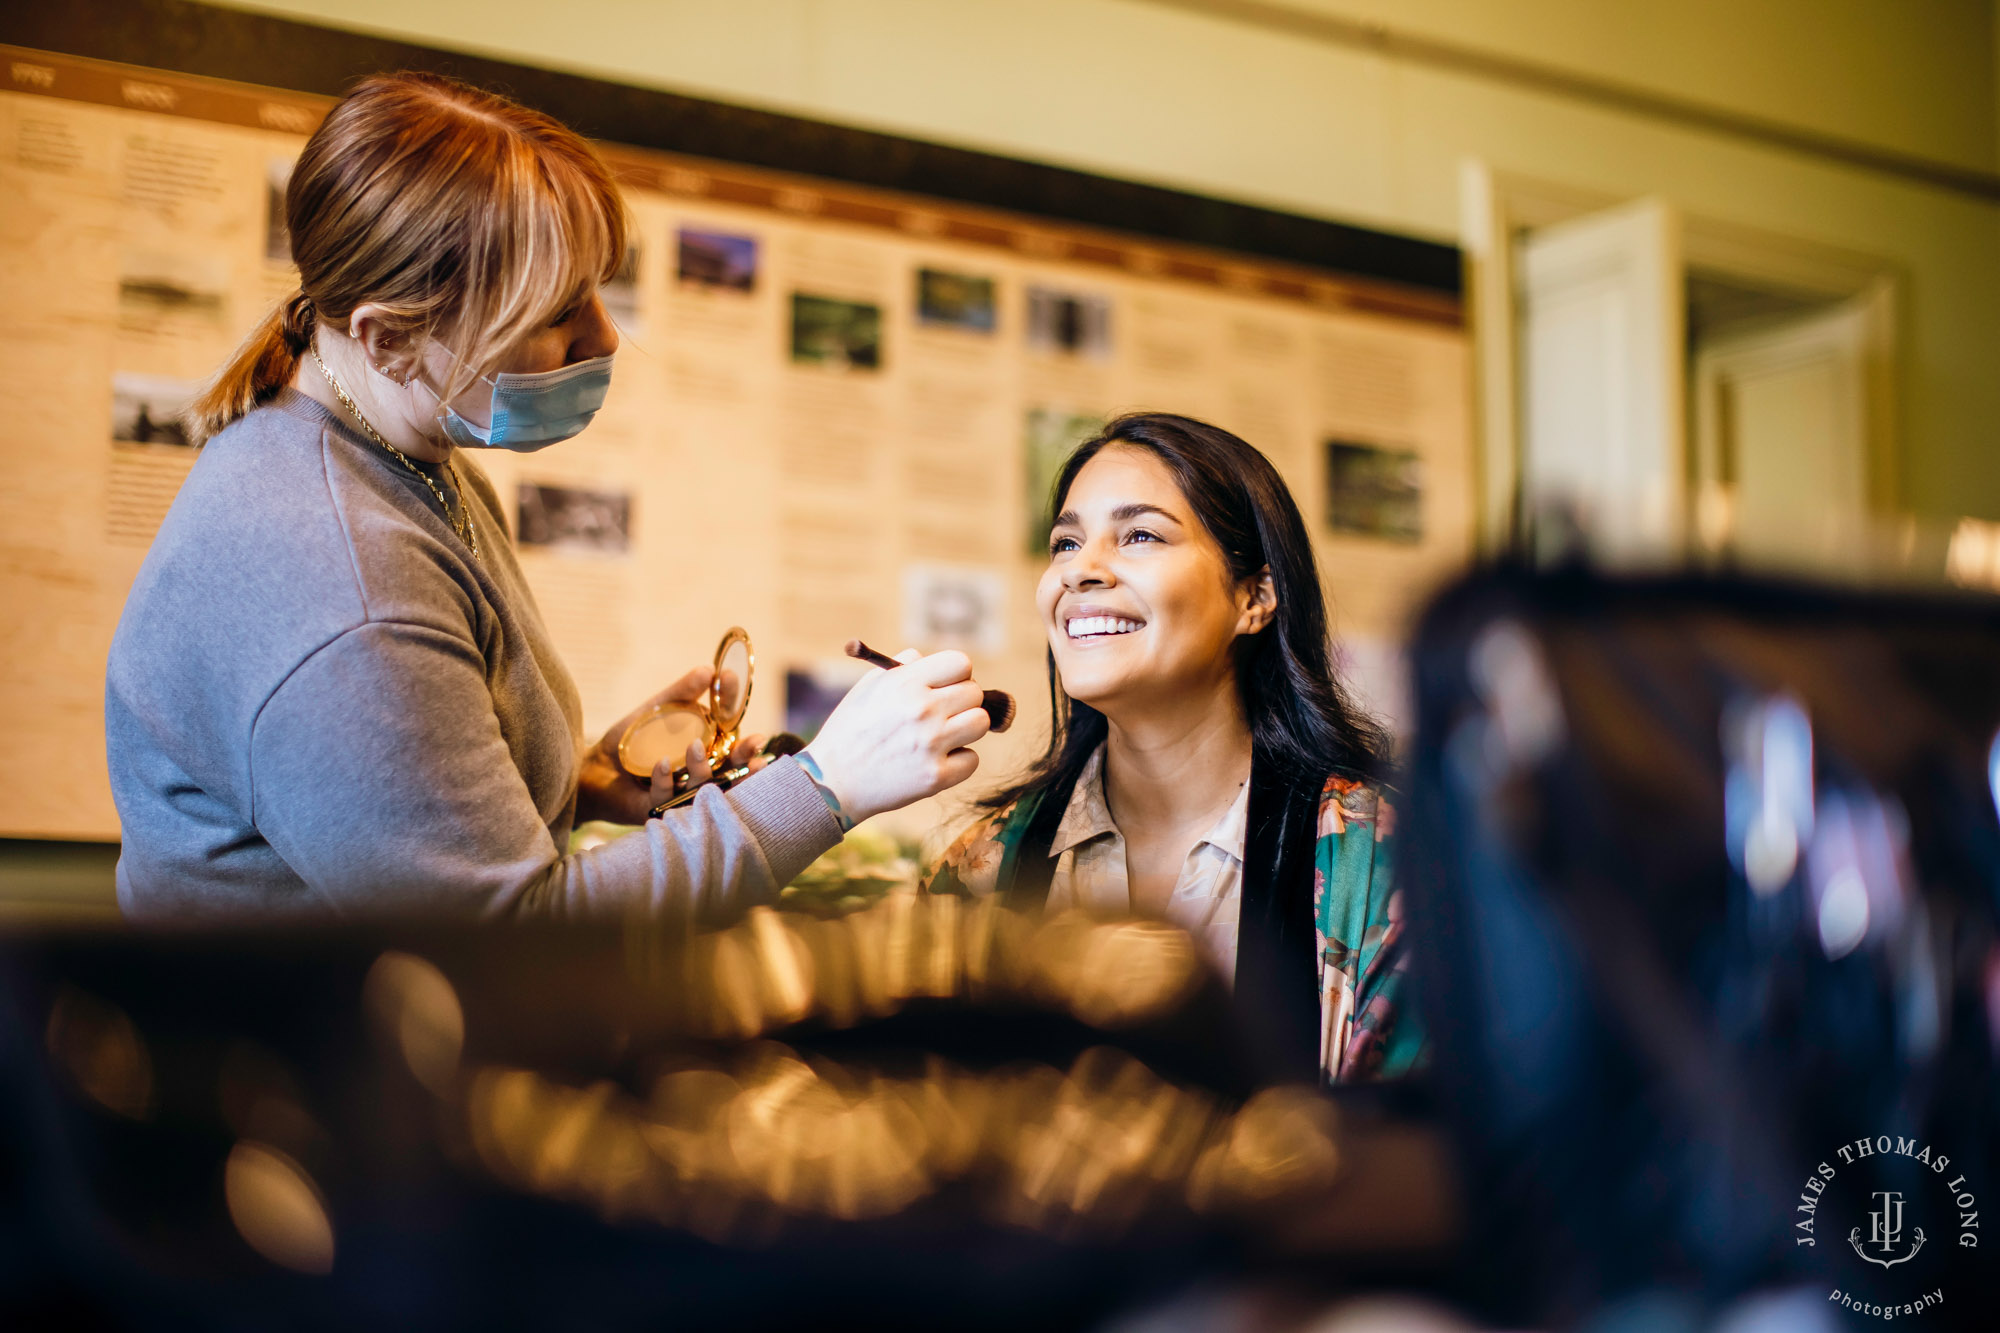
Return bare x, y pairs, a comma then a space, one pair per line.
1088, 625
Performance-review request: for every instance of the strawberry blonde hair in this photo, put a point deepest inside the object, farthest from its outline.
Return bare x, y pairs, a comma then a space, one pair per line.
473, 219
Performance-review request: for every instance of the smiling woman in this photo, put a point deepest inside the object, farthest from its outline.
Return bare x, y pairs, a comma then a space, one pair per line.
1205, 765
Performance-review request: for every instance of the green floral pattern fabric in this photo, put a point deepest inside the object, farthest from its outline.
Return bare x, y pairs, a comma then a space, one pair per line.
1367, 1029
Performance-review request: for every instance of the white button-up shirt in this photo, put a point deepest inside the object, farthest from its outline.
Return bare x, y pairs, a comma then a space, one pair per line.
1090, 870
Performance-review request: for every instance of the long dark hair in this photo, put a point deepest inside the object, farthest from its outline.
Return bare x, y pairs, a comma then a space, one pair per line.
1301, 718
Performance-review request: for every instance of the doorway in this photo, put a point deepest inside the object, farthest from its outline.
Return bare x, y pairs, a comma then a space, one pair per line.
1656, 387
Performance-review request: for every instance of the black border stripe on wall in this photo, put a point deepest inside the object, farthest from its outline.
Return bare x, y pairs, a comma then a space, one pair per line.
198, 39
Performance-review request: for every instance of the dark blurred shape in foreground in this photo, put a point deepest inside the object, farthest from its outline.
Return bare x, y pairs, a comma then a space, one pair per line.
1702, 879
930, 1110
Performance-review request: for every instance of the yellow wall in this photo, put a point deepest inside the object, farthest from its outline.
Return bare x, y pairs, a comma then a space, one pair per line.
1912, 75
1168, 93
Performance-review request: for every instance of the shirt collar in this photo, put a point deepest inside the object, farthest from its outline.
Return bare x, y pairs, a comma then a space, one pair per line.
1088, 815
1233, 829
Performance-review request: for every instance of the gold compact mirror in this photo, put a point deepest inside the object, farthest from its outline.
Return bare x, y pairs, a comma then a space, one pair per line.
729, 695
666, 731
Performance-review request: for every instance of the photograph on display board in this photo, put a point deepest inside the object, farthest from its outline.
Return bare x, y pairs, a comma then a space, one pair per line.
955, 300
1374, 492
621, 294
1064, 323
563, 518
163, 293
277, 243
1052, 435
146, 409
839, 335
955, 606
719, 260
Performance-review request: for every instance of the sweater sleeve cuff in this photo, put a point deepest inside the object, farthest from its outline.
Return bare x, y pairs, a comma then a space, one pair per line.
787, 816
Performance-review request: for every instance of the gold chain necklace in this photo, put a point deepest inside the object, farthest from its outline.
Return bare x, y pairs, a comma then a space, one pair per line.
462, 525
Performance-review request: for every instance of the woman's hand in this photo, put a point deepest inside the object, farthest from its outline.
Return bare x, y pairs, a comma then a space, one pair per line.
604, 790
900, 735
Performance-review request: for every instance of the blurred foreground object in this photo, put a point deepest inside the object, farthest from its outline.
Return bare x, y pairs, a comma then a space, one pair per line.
1702, 878
926, 1112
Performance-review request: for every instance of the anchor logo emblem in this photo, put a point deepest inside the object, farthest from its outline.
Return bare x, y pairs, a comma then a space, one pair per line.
1885, 1232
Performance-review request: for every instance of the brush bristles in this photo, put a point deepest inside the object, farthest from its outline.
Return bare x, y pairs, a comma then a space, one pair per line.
999, 706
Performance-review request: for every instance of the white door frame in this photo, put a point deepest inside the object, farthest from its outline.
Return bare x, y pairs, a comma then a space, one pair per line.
1496, 206
1831, 338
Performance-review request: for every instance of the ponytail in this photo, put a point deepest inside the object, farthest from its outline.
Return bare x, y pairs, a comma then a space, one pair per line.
261, 366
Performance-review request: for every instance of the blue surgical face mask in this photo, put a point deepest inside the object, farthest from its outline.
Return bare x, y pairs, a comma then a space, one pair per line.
531, 412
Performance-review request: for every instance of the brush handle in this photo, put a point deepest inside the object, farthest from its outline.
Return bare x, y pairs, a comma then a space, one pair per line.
999, 704
856, 648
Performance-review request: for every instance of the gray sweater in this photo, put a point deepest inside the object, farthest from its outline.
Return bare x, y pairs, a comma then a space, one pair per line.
320, 704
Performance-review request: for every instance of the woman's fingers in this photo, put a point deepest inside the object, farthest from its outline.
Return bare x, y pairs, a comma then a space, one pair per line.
697, 765
952, 700
964, 728
744, 754
946, 668
662, 782
957, 766
691, 688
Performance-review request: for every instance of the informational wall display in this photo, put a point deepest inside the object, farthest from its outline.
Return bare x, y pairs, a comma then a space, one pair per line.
836, 413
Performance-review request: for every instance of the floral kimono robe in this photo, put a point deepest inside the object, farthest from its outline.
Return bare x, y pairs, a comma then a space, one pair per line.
1366, 1028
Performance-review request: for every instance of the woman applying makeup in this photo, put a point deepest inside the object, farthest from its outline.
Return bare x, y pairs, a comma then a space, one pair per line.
1205, 764
332, 693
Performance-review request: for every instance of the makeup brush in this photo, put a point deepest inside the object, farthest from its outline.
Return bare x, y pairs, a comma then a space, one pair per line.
999, 704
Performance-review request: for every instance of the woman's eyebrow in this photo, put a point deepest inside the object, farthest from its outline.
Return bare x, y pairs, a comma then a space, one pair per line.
1122, 514
1125, 513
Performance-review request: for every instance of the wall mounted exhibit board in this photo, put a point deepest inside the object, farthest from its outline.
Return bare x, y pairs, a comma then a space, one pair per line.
835, 413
